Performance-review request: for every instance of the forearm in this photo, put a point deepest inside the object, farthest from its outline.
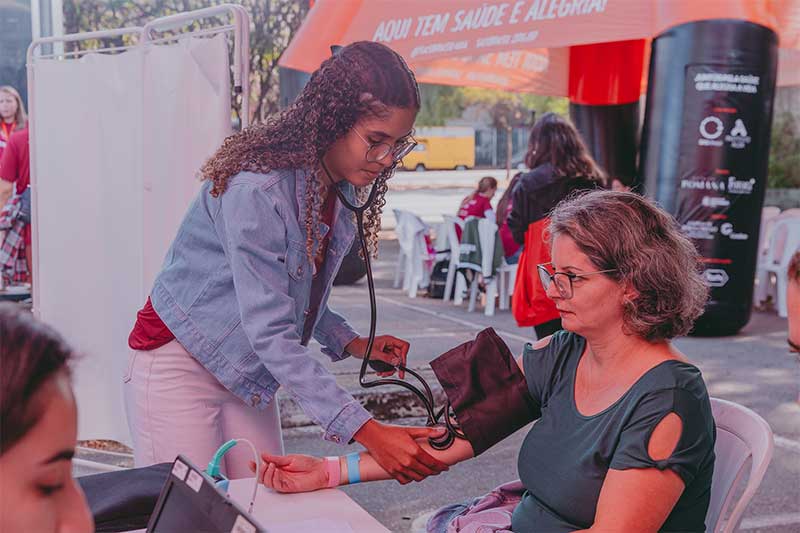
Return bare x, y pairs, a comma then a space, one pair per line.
370, 470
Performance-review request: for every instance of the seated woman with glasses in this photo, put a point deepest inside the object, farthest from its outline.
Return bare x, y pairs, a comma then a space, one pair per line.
625, 441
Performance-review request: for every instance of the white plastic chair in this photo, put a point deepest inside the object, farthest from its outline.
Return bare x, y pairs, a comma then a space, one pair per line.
792, 212
487, 233
411, 231
769, 211
741, 435
506, 276
487, 229
784, 242
769, 215
450, 223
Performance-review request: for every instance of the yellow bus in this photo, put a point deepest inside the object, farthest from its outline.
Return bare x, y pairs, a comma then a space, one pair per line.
444, 148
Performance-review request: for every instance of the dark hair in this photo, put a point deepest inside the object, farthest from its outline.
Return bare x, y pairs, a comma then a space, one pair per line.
30, 353
503, 204
644, 244
484, 184
555, 140
362, 79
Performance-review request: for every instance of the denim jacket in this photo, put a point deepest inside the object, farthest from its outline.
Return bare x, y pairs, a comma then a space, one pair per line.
235, 289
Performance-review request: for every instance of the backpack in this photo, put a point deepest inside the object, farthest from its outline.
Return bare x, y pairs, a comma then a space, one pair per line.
439, 279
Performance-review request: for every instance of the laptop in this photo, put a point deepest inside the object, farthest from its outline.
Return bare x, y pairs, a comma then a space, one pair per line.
190, 501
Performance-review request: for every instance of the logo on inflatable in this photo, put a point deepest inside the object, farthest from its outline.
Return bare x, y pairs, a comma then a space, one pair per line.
711, 128
716, 277
738, 137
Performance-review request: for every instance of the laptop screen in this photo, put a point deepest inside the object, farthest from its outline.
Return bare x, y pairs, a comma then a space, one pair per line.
181, 512
189, 501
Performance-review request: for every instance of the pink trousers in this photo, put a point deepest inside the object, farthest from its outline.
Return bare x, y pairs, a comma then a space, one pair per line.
175, 406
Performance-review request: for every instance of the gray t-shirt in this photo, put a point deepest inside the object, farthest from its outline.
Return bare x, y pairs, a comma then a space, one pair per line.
565, 456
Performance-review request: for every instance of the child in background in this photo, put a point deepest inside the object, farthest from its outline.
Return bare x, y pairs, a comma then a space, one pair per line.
478, 202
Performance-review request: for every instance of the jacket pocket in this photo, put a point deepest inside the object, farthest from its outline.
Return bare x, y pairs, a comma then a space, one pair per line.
296, 261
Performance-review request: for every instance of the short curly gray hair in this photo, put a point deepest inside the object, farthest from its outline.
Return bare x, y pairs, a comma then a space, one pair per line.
627, 232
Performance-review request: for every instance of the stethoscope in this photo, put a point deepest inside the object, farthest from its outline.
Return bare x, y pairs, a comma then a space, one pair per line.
425, 395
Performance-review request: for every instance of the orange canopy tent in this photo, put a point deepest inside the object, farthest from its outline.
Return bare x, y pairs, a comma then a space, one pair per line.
714, 62
525, 45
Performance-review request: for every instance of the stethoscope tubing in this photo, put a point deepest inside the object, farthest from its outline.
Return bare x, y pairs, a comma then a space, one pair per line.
425, 397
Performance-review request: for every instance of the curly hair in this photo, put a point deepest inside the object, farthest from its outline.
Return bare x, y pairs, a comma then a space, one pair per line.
644, 244
555, 140
362, 79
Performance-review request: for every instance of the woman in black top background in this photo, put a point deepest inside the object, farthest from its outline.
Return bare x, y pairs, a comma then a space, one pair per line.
560, 164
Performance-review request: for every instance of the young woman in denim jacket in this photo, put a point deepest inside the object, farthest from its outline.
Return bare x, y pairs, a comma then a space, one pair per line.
246, 282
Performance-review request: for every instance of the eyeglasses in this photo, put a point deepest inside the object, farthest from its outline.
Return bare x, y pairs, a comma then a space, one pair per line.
378, 151
563, 280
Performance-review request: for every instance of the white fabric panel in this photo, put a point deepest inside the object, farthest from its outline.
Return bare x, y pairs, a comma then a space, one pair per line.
118, 142
187, 115
88, 182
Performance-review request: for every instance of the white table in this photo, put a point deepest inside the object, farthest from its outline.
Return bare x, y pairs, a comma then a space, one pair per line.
329, 510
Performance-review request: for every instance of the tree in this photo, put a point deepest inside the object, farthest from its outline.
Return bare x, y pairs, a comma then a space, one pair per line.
439, 103
443, 102
784, 153
273, 23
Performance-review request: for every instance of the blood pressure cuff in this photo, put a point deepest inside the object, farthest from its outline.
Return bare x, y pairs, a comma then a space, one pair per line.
124, 500
486, 389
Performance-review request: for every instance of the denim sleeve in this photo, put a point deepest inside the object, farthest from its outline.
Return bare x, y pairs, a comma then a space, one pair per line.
334, 334
255, 244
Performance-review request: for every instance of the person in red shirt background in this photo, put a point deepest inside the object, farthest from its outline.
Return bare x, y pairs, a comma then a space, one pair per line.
15, 176
12, 114
478, 202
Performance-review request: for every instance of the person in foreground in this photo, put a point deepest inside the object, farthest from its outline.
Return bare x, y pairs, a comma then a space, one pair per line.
625, 440
38, 430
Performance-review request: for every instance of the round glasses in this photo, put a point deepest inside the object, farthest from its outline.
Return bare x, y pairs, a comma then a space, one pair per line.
376, 152
562, 280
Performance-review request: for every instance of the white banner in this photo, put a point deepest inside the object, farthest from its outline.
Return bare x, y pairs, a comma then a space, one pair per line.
117, 141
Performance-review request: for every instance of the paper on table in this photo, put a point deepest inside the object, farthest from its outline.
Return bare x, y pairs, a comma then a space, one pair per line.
316, 524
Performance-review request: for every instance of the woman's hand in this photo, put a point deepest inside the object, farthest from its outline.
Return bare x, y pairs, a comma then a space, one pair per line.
292, 473
386, 348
